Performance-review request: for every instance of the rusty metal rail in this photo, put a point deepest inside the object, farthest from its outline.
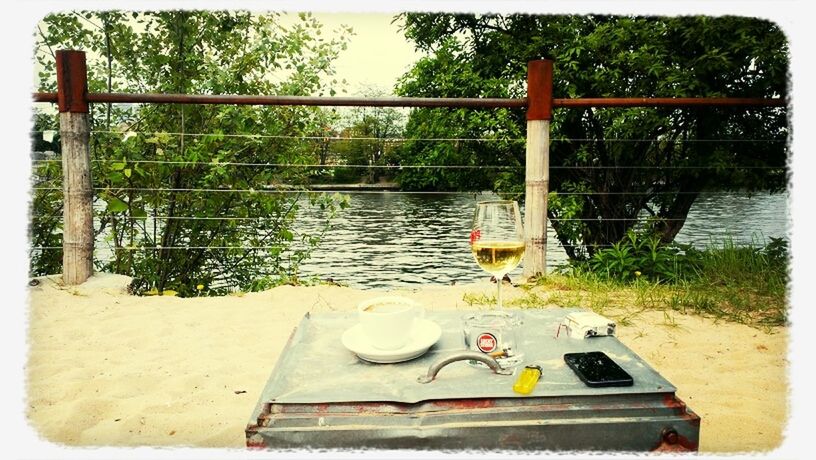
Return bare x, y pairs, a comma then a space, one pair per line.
417, 101
73, 99
294, 100
669, 102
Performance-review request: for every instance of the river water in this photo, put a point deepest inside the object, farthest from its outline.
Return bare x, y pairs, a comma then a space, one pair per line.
385, 240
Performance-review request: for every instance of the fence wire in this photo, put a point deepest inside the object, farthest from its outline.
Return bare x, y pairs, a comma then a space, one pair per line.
261, 219
400, 167
248, 248
557, 245
402, 192
128, 134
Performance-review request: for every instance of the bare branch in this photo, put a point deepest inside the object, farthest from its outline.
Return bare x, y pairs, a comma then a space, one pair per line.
87, 20
45, 40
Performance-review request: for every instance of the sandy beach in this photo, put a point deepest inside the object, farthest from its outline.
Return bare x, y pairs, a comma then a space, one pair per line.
109, 369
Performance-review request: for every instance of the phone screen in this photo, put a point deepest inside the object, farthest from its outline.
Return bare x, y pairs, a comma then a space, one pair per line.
597, 370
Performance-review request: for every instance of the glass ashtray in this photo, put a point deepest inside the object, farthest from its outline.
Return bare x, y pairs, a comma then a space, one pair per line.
493, 333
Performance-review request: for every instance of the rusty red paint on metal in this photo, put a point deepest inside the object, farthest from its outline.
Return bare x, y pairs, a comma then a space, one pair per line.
669, 440
688, 444
72, 81
668, 102
322, 408
341, 408
271, 408
671, 401
253, 439
318, 409
256, 445
539, 90
308, 100
44, 97
464, 403
676, 443
417, 102
263, 419
378, 407
691, 418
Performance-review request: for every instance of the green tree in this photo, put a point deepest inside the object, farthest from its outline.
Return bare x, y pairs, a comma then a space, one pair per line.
487, 139
369, 135
610, 167
174, 206
46, 202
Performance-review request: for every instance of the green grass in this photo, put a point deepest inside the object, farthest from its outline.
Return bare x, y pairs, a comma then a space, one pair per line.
737, 283
478, 299
731, 282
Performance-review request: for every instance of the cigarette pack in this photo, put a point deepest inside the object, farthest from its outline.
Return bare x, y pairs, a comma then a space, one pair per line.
586, 324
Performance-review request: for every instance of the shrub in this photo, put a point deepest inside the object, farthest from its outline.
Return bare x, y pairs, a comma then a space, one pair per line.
644, 256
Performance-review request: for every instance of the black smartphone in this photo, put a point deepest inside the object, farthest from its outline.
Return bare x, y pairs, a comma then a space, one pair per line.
597, 370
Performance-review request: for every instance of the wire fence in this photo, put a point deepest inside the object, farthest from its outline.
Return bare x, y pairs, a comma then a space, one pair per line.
379, 191
78, 197
409, 166
244, 218
554, 246
128, 133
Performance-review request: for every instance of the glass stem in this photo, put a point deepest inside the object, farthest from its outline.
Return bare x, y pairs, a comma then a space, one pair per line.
498, 285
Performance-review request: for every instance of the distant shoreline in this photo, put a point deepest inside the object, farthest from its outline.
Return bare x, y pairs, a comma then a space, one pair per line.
382, 186
359, 186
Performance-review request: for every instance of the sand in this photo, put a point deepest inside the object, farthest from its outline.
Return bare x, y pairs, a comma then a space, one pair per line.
109, 369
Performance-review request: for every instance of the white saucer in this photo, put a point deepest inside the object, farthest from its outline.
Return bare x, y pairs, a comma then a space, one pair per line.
423, 336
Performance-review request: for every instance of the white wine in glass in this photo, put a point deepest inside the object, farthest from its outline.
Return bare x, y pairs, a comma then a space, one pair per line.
497, 239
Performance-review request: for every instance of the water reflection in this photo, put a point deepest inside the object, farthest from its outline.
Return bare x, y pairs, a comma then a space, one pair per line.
386, 240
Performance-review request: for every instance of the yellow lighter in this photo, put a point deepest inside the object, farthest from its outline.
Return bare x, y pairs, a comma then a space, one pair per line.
527, 380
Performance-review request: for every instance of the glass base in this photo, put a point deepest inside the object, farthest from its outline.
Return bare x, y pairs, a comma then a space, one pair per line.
505, 362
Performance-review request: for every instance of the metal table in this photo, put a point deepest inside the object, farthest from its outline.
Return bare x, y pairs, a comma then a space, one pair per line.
320, 395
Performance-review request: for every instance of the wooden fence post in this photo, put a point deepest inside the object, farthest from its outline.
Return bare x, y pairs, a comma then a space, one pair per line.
77, 189
537, 166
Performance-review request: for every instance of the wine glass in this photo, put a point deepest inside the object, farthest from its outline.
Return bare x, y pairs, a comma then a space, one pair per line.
497, 239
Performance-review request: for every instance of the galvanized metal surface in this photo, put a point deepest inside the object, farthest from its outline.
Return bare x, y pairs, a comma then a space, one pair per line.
605, 423
345, 403
316, 368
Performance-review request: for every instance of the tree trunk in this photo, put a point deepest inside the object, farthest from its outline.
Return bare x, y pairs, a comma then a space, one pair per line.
675, 216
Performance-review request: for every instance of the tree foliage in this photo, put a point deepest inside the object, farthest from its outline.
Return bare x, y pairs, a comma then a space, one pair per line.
368, 138
176, 211
609, 167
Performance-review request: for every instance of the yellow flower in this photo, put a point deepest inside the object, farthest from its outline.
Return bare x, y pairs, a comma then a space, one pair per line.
637, 273
200, 287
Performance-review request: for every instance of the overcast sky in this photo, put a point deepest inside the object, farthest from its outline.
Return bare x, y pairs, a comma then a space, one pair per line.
376, 56
378, 53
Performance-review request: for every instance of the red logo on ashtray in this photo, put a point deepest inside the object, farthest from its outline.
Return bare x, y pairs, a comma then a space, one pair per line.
475, 235
486, 342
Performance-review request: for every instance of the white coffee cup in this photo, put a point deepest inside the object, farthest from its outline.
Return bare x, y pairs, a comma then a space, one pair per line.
387, 321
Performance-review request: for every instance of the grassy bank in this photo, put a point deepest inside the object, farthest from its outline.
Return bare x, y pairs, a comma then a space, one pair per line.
742, 284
